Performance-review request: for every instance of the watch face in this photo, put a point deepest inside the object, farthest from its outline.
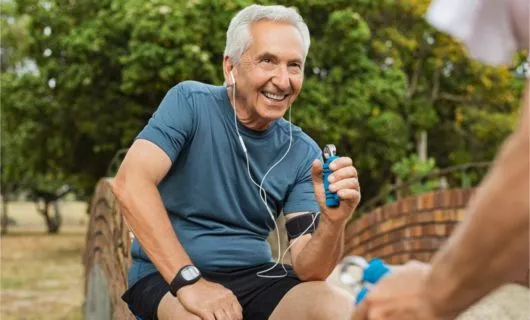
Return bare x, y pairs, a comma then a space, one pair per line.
190, 272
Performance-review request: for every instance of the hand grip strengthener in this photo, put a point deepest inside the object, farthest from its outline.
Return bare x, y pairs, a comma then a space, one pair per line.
329, 153
372, 272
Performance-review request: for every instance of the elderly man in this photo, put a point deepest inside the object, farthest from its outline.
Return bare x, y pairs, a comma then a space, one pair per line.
204, 181
490, 247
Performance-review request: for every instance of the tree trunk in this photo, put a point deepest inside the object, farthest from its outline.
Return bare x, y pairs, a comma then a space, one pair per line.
52, 222
421, 146
4, 217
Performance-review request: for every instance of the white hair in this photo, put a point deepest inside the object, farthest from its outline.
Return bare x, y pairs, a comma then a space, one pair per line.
239, 38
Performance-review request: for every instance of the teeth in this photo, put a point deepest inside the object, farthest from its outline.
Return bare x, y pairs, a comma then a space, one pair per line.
273, 96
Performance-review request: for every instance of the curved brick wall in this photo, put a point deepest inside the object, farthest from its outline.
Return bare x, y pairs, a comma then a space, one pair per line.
411, 228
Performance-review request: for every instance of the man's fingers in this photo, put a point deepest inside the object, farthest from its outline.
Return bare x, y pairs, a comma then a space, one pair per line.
206, 315
341, 163
318, 184
342, 173
237, 311
316, 171
345, 184
234, 310
350, 194
221, 314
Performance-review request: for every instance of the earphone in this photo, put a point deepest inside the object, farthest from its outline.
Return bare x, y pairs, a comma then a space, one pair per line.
262, 191
233, 79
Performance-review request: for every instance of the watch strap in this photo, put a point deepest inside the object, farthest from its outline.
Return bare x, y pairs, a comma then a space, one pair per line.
179, 281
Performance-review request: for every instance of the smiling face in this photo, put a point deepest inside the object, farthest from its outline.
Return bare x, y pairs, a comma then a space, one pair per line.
269, 75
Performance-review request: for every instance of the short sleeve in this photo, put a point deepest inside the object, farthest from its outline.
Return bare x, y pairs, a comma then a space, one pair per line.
171, 125
301, 198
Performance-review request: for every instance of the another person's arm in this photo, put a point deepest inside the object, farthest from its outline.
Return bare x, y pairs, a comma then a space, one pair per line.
488, 249
491, 245
315, 256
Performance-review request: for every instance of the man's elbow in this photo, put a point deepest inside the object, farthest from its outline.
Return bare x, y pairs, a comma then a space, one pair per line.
120, 187
313, 277
310, 274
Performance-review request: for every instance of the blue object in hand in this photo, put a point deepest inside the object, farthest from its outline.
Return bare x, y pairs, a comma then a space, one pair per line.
375, 270
360, 296
332, 198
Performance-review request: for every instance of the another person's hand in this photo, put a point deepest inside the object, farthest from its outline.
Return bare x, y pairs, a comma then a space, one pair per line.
402, 295
344, 182
210, 301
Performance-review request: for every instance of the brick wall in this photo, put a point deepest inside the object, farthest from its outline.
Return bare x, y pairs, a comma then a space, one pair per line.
411, 228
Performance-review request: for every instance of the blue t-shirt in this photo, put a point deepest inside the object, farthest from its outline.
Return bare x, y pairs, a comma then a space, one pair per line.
214, 207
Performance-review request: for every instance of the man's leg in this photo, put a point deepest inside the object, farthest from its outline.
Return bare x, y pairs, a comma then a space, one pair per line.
149, 298
315, 300
171, 309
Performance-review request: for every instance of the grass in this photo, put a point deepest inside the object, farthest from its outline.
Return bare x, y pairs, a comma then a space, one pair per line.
42, 274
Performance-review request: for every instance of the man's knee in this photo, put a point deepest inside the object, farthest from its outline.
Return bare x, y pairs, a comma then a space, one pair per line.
170, 308
332, 302
324, 301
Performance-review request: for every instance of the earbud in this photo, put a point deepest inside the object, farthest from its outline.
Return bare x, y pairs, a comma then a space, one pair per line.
232, 76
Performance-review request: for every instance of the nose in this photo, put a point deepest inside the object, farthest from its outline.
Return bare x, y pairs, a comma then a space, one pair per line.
281, 79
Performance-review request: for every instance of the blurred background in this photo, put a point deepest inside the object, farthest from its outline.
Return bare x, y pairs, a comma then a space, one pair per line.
80, 78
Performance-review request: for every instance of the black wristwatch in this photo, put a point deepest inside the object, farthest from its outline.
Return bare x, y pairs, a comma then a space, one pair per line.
187, 275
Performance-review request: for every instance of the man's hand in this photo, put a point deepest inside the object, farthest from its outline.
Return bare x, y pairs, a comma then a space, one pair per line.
402, 295
344, 182
210, 301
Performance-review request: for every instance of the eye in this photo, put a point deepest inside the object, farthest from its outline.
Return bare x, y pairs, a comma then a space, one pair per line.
266, 60
295, 68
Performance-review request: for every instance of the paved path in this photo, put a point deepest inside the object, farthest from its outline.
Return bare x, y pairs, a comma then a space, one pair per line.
510, 302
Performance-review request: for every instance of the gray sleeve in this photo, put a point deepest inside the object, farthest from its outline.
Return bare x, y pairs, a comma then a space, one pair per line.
171, 125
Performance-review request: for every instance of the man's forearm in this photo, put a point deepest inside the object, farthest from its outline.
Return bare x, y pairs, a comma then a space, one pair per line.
491, 245
321, 254
145, 214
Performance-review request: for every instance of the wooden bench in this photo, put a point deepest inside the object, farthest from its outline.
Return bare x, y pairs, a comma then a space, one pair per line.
412, 228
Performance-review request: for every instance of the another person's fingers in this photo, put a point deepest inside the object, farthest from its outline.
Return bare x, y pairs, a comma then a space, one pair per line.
361, 312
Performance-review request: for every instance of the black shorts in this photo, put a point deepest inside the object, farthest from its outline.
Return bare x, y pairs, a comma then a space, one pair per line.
258, 296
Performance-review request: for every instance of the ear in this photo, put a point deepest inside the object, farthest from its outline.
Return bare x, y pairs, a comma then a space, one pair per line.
228, 67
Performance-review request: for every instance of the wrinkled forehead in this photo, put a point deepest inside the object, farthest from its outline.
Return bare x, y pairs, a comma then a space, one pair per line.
280, 38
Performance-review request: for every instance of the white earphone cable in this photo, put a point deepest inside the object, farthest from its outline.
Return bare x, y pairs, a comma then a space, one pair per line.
262, 191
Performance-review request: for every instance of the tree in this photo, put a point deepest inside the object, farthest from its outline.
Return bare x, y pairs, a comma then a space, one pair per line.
378, 78
457, 109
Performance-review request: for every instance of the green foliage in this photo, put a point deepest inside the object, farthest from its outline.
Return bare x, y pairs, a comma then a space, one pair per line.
376, 75
410, 169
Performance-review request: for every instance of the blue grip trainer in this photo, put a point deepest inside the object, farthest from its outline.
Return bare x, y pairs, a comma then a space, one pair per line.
372, 273
332, 198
